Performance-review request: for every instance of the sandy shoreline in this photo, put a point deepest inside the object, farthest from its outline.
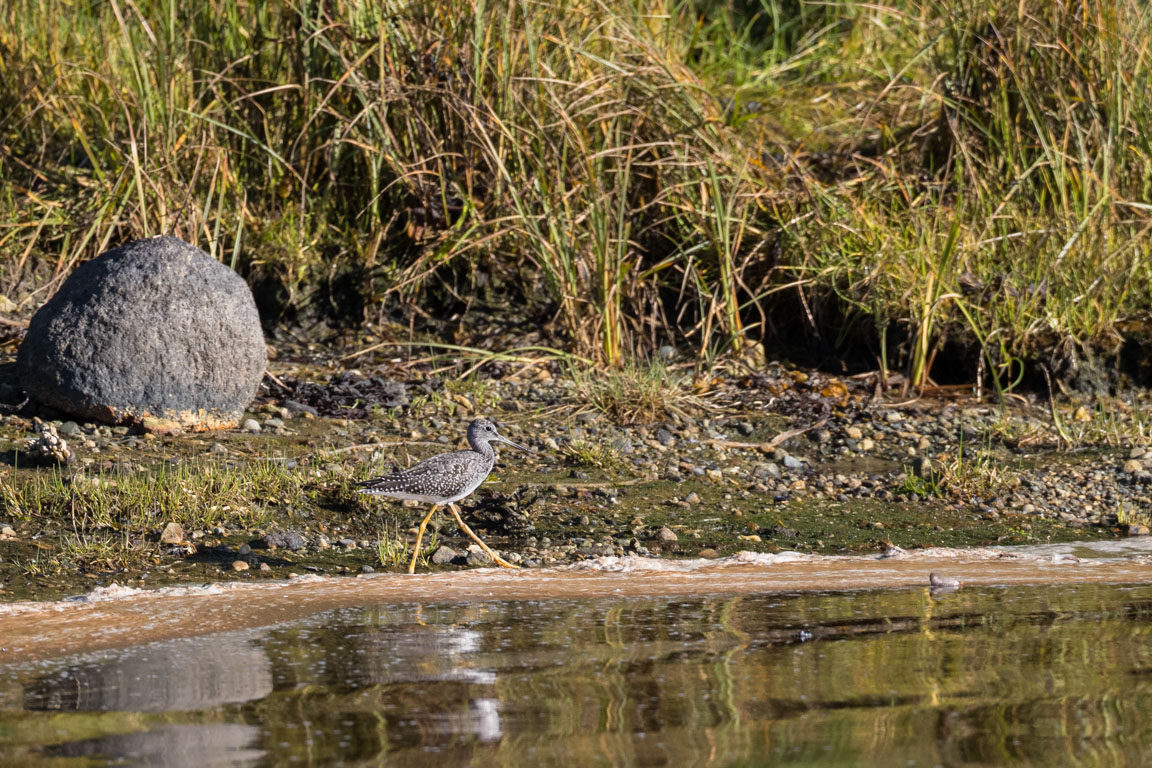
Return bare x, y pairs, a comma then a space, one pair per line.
114, 617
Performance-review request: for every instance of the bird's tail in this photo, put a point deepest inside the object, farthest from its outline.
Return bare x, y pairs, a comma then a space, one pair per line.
375, 485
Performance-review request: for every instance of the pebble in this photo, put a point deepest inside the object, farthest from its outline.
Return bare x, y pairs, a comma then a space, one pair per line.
172, 533
943, 582
289, 540
666, 534
444, 555
239, 565
251, 425
477, 556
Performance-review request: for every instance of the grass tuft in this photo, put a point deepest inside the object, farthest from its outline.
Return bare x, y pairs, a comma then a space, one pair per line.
632, 394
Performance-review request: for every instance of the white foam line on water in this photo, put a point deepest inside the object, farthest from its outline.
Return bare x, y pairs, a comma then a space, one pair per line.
117, 592
1136, 550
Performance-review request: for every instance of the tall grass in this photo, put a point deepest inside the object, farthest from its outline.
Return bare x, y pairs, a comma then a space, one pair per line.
901, 175
562, 146
977, 170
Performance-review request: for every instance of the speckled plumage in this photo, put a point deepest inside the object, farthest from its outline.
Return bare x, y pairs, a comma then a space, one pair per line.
445, 478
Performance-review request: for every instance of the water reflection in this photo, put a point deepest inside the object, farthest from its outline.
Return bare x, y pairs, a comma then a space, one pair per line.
1045, 676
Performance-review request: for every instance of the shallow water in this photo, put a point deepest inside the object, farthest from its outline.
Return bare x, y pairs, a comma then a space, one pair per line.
676, 664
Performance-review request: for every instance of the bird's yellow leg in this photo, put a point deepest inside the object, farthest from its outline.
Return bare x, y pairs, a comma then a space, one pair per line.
419, 536
499, 560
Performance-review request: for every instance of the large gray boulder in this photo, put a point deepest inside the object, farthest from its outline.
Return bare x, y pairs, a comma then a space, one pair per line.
154, 332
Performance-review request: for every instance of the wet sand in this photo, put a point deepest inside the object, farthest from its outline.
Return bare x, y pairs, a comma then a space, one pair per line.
114, 617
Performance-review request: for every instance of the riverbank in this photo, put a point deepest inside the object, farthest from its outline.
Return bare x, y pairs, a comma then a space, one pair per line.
762, 460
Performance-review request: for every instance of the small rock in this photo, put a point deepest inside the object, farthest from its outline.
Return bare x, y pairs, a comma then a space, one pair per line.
218, 448
239, 565
708, 553
323, 542
943, 582
664, 437
791, 462
348, 544
692, 498
1137, 452
477, 556
289, 540
367, 569
273, 423
294, 408
666, 534
251, 425
265, 568
744, 428
1135, 529
1133, 466
443, 555
70, 428
7, 533
172, 533
854, 433
866, 445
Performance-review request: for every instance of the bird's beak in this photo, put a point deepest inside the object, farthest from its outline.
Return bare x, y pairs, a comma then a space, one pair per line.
503, 439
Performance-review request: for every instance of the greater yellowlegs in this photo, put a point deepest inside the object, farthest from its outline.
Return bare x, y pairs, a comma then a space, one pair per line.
445, 479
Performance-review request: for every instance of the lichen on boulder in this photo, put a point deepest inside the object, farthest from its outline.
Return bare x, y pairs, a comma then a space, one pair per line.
155, 333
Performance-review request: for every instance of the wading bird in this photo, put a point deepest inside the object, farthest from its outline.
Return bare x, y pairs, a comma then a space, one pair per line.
445, 479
